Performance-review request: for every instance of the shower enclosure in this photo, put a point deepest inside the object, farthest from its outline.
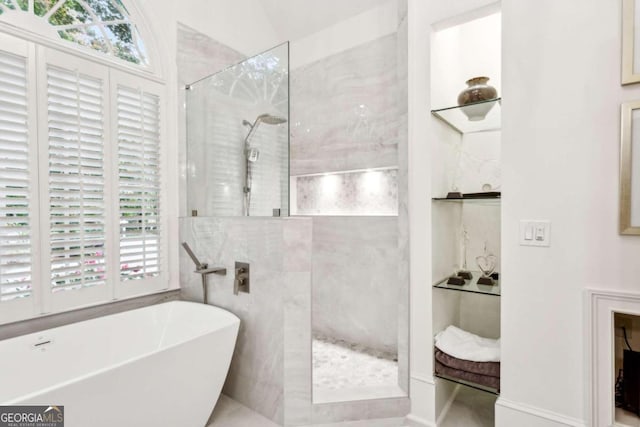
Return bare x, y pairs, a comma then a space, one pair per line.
324, 332
238, 139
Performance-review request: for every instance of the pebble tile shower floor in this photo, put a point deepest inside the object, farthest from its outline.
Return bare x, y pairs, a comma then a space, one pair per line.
344, 371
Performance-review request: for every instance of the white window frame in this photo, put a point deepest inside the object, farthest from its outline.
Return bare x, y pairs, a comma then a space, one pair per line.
39, 51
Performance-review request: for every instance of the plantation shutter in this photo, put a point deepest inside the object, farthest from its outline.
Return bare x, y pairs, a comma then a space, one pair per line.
76, 179
16, 232
138, 130
73, 102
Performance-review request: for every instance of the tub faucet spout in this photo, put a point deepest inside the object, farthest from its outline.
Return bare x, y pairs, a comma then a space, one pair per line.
203, 270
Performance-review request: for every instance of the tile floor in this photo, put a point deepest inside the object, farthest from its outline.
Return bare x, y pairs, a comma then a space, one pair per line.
345, 372
471, 408
229, 413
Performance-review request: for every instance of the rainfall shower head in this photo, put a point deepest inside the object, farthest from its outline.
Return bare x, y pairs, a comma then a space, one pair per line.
262, 118
271, 120
265, 118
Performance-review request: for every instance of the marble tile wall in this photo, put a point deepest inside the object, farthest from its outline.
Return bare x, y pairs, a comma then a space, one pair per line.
355, 280
402, 66
270, 370
199, 56
345, 110
373, 192
297, 323
360, 410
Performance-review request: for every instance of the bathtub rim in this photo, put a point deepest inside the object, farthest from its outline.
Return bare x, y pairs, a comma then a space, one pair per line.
234, 322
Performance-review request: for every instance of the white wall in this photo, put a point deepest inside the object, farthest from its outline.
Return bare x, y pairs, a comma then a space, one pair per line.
561, 127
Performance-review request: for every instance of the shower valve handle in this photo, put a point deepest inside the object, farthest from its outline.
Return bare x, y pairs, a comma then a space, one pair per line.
241, 280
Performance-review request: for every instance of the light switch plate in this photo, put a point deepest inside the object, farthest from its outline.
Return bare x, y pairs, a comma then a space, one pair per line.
535, 233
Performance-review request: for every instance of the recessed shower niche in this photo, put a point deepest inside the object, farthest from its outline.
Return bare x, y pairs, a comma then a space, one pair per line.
238, 139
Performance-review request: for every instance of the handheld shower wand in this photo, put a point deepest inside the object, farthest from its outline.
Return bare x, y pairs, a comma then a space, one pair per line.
251, 154
194, 258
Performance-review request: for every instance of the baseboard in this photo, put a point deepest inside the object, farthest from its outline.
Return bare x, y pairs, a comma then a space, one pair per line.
415, 421
447, 406
423, 398
510, 413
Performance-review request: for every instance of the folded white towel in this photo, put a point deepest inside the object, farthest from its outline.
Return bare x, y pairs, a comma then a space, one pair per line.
467, 346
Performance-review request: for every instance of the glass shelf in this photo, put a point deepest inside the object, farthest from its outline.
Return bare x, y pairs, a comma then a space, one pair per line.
456, 196
456, 118
468, 384
484, 200
472, 286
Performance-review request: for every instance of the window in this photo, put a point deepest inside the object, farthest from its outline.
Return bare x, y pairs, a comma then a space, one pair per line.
100, 25
81, 218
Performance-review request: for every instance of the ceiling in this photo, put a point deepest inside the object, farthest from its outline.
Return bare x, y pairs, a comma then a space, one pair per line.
295, 19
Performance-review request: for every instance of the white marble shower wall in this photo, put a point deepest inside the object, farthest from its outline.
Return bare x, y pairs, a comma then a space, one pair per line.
346, 110
271, 367
355, 280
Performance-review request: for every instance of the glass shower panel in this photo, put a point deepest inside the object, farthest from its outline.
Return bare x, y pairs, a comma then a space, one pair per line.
238, 139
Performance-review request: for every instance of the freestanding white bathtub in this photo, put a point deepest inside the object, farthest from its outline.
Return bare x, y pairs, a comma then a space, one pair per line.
158, 366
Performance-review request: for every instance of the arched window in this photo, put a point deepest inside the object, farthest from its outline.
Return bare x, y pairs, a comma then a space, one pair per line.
102, 25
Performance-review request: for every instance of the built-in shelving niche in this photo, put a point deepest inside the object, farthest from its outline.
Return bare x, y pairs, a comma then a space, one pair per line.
466, 159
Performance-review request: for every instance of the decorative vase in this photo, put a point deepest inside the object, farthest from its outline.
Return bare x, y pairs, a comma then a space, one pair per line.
477, 91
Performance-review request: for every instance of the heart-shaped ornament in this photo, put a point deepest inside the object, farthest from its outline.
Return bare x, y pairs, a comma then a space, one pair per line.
486, 263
